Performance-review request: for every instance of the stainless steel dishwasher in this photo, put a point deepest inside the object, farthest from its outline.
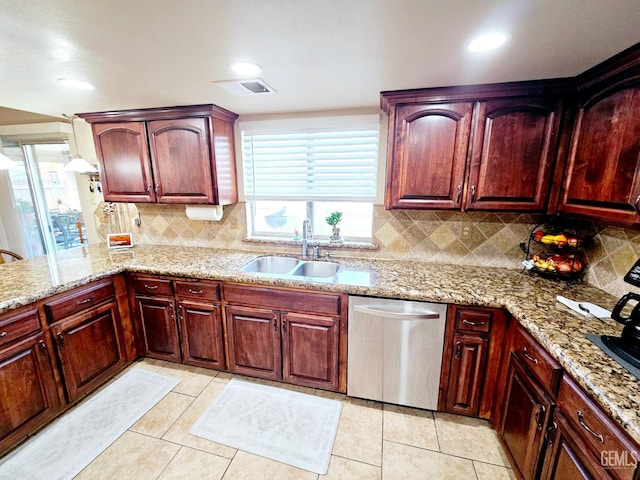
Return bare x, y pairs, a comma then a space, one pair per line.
395, 350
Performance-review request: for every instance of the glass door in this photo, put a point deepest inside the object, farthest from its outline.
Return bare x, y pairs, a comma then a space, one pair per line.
46, 197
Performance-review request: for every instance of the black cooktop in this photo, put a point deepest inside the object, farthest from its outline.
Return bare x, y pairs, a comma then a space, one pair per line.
610, 346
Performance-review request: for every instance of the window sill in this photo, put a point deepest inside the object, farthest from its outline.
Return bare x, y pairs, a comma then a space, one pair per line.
323, 243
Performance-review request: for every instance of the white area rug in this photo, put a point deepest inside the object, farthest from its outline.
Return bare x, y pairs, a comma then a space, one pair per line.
289, 427
70, 443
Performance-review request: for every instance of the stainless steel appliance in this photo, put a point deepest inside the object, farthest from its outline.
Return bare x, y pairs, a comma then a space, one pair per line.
395, 350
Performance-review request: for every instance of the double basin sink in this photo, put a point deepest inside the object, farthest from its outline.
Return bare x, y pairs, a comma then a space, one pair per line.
291, 267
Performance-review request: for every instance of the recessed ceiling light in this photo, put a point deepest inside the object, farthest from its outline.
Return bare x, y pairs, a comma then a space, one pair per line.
488, 41
77, 84
246, 69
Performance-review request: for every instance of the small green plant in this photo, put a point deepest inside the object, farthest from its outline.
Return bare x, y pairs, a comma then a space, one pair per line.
334, 218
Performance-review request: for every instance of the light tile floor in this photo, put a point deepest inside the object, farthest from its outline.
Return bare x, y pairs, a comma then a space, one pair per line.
375, 441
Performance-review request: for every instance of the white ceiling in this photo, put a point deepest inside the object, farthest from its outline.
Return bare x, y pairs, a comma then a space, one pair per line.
317, 54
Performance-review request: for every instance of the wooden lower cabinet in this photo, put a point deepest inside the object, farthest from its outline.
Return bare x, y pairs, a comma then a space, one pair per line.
90, 349
266, 339
27, 389
526, 411
159, 329
310, 350
254, 341
201, 339
566, 457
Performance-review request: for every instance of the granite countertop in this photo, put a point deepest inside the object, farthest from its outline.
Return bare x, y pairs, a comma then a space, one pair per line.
530, 299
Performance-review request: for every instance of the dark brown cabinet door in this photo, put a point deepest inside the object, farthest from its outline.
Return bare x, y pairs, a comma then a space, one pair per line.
513, 152
428, 153
27, 389
254, 341
310, 350
159, 327
124, 162
602, 178
466, 380
567, 456
201, 334
90, 348
526, 412
181, 160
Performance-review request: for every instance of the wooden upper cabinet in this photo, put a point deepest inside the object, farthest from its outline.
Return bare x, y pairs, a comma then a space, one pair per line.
513, 153
428, 151
126, 173
180, 159
603, 170
478, 147
167, 155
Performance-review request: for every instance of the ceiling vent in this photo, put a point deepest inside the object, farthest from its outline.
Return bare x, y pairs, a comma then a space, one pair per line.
253, 86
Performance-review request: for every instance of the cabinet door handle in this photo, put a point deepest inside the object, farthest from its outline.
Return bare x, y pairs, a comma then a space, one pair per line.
150, 287
60, 339
551, 428
459, 195
180, 312
195, 292
3, 334
540, 416
473, 324
458, 349
149, 188
275, 324
284, 326
586, 427
157, 188
473, 193
637, 204
526, 355
172, 313
88, 300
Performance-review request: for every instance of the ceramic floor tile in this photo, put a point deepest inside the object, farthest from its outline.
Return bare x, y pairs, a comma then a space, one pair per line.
131, 456
409, 426
411, 463
179, 431
359, 434
191, 464
470, 438
345, 469
159, 419
193, 380
486, 471
152, 364
246, 466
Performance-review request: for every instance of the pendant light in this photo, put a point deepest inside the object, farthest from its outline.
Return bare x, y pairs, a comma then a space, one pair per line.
6, 163
77, 163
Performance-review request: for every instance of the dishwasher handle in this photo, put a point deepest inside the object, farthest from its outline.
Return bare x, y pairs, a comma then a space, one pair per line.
424, 315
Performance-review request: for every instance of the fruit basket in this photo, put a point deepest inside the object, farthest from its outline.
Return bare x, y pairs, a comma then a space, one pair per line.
555, 249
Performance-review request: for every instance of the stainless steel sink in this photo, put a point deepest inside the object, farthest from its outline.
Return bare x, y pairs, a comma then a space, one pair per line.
277, 265
316, 269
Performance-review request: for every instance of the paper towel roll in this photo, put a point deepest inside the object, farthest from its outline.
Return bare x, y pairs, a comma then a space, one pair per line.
211, 213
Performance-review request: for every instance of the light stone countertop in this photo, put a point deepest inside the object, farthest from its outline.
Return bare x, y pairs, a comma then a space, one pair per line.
530, 299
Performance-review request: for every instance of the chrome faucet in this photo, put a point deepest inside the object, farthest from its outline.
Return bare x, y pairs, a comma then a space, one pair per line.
307, 235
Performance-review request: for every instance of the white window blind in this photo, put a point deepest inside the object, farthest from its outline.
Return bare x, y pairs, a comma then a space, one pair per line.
329, 159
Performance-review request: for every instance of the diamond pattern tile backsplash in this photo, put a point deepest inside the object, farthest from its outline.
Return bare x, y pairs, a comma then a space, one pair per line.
470, 238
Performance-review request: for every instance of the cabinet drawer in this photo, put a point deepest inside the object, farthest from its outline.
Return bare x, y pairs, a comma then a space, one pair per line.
17, 325
151, 286
537, 360
604, 437
198, 290
79, 300
473, 320
286, 300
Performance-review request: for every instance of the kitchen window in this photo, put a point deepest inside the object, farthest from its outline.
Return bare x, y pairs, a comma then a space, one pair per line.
308, 168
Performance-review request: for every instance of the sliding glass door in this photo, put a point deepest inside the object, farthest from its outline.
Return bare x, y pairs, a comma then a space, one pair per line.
45, 197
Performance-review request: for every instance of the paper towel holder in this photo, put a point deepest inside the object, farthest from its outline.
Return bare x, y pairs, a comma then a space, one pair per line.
211, 213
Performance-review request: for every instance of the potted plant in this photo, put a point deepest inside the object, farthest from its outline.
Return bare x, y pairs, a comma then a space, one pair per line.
334, 219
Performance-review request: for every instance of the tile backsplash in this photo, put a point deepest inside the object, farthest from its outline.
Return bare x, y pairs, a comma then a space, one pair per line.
470, 238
